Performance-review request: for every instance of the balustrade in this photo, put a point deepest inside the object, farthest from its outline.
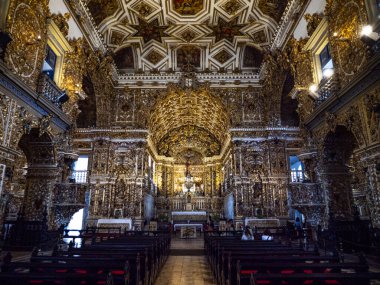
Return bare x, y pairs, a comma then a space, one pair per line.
327, 88
80, 176
48, 89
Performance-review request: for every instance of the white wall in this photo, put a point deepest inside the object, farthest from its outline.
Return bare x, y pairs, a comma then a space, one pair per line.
315, 6
57, 7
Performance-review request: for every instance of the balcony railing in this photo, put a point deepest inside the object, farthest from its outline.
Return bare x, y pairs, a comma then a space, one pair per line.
48, 89
327, 88
80, 176
306, 194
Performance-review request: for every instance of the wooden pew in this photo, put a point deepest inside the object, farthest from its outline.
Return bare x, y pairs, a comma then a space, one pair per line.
62, 275
312, 279
97, 263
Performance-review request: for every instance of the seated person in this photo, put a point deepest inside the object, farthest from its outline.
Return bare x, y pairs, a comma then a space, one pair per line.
247, 234
266, 235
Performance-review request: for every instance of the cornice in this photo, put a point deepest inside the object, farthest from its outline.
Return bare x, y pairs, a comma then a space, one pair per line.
265, 129
286, 24
109, 130
214, 79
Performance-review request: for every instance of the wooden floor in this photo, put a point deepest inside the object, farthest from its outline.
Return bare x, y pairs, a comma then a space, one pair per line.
188, 268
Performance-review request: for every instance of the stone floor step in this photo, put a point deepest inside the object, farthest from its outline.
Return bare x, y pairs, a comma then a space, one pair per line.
187, 252
185, 270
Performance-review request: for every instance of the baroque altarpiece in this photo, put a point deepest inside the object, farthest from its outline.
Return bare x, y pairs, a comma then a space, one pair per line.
189, 107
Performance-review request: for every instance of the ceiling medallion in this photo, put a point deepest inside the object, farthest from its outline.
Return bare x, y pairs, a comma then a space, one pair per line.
144, 9
223, 56
226, 30
232, 7
116, 38
188, 7
154, 57
150, 31
188, 35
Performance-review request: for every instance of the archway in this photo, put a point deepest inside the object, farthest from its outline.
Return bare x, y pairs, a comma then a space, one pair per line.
337, 152
41, 172
188, 129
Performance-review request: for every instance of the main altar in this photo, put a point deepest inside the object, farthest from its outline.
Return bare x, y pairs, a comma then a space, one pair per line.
188, 222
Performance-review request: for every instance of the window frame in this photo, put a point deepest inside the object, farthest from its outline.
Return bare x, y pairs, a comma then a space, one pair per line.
59, 45
316, 44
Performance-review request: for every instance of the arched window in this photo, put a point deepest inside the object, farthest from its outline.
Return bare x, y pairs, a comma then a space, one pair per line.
297, 169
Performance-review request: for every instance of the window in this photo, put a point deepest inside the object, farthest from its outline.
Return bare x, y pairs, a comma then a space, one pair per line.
297, 170
327, 67
57, 46
75, 224
320, 49
80, 169
2, 174
49, 62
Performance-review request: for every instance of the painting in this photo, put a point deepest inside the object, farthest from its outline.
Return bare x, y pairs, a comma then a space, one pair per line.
188, 55
124, 58
101, 9
188, 7
253, 57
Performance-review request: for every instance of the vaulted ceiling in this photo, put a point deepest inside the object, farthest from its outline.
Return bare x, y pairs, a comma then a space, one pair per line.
155, 43
189, 120
169, 35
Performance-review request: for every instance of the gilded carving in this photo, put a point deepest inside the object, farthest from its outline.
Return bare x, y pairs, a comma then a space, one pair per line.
61, 22
313, 21
188, 7
349, 52
28, 31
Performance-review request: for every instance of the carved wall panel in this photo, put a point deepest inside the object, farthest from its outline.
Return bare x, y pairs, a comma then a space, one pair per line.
27, 27
349, 51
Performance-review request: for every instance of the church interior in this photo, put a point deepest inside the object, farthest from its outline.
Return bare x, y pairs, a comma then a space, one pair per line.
190, 142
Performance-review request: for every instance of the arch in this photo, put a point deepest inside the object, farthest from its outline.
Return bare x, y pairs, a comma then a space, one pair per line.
197, 112
38, 148
289, 114
338, 149
124, 58
252, 57
87, 116
338, 146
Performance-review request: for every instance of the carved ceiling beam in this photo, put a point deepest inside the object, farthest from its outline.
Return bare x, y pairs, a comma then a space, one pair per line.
86, 23
288, 22
265, 133
26, 97
114, 135
214, 79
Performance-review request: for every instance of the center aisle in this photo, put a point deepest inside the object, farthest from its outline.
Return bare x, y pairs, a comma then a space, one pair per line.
186, 265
